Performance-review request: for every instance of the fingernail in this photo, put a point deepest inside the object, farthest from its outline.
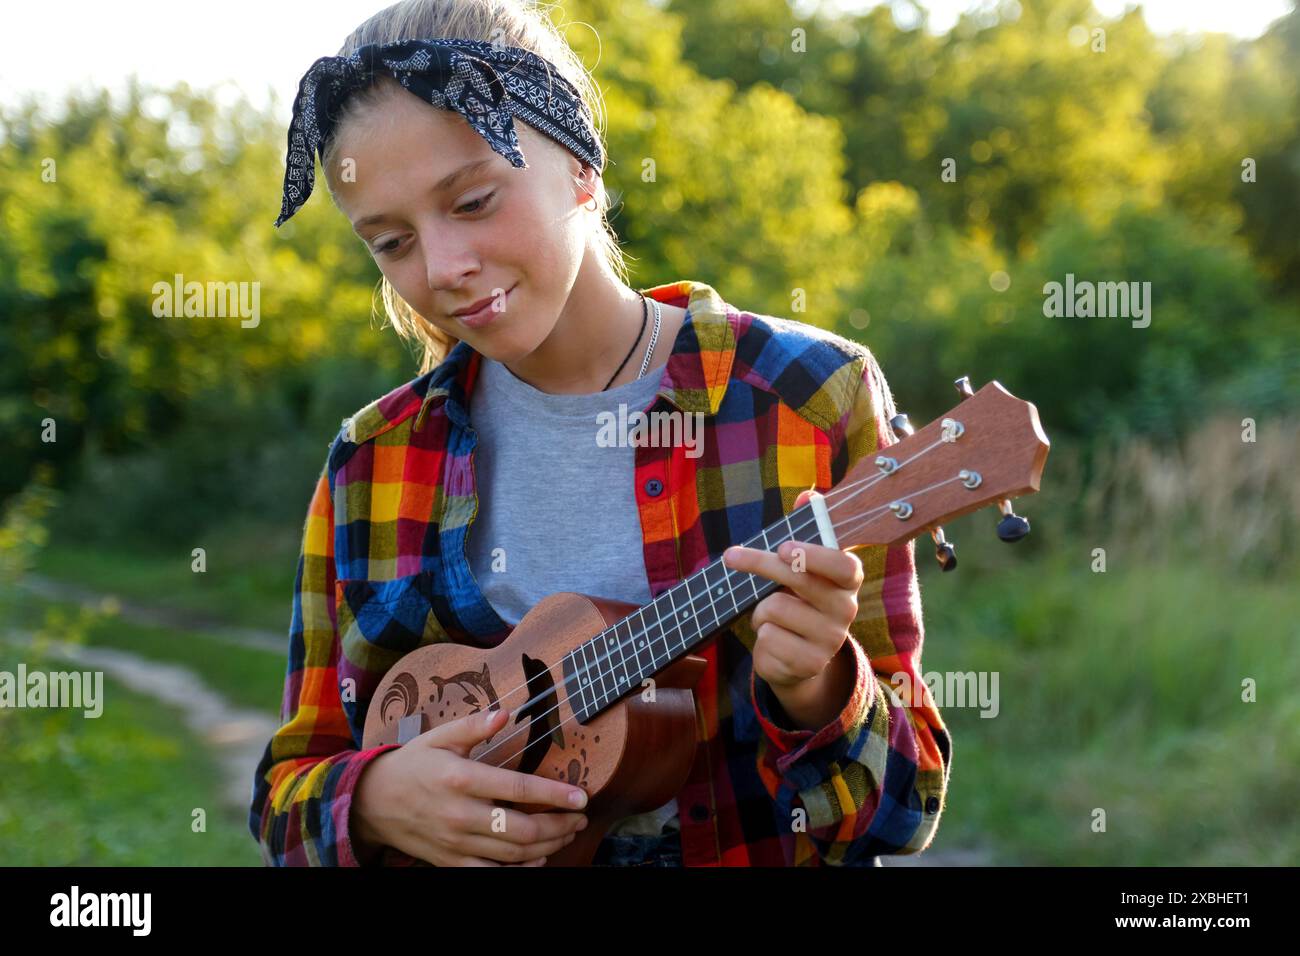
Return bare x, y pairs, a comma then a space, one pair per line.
578, 798
582, 824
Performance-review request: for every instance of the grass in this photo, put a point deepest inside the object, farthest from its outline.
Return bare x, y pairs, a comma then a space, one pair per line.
1122, 693
247, 583
245, 676
117, 790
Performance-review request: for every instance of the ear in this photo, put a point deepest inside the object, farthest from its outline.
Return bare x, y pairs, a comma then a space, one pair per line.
586, 181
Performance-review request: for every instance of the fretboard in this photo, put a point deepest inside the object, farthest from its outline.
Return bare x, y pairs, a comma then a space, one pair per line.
620, 658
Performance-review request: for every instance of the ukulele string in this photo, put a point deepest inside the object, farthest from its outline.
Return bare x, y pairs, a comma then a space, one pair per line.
860, 521
835, 497
730, 590
574, 716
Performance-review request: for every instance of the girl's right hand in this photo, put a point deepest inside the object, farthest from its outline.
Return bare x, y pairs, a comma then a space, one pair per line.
427, 799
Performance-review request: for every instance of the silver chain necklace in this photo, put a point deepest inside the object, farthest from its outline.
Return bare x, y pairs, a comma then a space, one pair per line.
654, 337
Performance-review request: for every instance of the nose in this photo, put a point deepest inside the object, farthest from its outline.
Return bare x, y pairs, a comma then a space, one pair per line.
449, 261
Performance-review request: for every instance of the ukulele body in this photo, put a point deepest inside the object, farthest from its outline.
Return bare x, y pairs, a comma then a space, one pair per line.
632, 757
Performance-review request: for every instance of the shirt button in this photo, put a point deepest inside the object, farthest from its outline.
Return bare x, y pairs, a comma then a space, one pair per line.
653, 487
699, 812
932, 805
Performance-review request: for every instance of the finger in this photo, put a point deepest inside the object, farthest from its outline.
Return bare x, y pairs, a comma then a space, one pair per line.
479, 816
498, 783
809, 585
794, 658
540, 861
842, 568
797, 616
503, 851
461, 735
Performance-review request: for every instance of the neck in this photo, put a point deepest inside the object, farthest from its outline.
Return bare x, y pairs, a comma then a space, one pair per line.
593, 333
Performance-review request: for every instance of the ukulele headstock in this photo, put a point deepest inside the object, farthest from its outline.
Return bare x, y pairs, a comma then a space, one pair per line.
987, 449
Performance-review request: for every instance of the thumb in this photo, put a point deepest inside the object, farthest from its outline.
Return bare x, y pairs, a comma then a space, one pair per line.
803, 497
462, 734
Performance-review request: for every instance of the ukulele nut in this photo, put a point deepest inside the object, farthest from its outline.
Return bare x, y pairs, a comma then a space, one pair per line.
952, 430
971, 479
901, 509
886, 464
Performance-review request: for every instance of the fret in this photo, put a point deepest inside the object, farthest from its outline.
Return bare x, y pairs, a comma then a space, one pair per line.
656, 662
604, 672
614, 645
718, 579
584, 677
753, 578
577, 690
683, 616
703, 627
642, 649
605, 654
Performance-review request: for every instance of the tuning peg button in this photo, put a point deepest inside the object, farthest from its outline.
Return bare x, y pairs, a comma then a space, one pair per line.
1012, 527
901, 425
945, 552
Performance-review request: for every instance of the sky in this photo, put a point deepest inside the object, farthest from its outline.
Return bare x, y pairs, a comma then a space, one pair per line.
214, 46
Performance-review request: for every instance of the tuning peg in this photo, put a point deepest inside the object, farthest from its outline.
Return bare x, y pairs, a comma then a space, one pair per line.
945, 552
963, 386
901, 425
1012, 527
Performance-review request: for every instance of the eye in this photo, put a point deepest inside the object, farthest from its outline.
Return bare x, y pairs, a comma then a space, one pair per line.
387, 248
481, 204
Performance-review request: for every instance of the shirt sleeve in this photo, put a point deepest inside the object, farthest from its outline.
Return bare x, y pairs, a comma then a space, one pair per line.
303, 786
874, 780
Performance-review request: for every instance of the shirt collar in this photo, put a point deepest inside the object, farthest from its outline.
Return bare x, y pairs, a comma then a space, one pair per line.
694, 379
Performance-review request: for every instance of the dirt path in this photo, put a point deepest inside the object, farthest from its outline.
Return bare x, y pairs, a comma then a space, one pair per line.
236, 737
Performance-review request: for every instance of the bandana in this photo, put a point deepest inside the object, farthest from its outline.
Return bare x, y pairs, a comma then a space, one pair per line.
488, 84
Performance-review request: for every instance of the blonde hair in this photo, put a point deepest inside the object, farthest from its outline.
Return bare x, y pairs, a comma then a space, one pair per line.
521, 23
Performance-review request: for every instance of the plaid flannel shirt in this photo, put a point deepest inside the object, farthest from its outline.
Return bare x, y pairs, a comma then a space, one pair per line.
383, 570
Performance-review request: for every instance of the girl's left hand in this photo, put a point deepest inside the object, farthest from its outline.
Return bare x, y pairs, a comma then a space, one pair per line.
800, 628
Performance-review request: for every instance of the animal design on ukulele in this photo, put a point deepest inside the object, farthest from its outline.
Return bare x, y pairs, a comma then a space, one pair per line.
463, 694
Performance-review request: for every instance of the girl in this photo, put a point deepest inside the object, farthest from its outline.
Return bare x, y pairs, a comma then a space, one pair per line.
452, 505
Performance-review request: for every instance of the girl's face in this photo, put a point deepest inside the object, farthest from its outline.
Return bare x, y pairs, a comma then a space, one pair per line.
515, 236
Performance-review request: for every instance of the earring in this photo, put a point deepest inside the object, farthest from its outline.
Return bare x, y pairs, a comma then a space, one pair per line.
593, 207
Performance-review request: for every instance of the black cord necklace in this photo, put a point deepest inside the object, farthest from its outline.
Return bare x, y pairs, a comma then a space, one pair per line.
645, 315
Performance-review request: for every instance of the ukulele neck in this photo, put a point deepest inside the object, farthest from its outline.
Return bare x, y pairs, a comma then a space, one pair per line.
620, 658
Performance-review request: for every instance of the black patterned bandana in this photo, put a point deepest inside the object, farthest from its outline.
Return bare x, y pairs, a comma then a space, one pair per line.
489, 84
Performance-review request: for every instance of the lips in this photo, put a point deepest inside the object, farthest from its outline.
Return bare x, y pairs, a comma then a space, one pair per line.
482, 312
470, 309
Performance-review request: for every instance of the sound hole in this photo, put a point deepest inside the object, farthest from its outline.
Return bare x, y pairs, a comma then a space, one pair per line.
543, 715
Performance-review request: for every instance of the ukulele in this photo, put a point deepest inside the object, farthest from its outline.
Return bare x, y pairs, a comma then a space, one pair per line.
600, 692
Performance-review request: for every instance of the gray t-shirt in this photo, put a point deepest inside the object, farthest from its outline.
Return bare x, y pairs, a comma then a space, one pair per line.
556, 510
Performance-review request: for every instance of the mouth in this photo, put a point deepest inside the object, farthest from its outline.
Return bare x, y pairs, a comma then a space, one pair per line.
485, 313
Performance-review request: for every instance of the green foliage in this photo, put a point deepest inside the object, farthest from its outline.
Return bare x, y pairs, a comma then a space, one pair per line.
117, 790
795, 164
